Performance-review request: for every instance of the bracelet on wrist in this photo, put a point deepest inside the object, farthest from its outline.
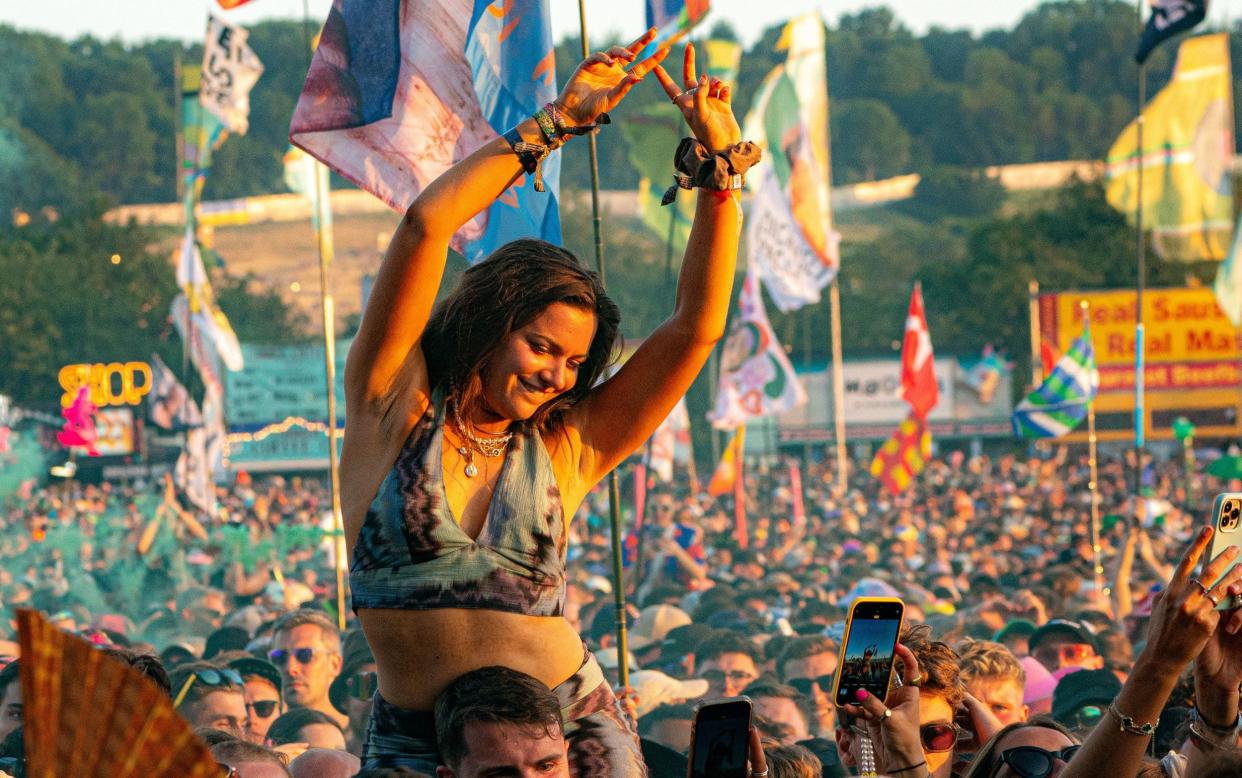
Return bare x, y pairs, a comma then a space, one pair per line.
723, 171
907, 769
1229, 730
1128, 724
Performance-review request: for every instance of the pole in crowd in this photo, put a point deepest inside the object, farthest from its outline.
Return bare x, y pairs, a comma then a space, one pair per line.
614, 488
1140, 421
1037, 346
838, 387
1093, 485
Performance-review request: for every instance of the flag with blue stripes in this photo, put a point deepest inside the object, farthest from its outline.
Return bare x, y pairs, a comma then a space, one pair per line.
1060, 403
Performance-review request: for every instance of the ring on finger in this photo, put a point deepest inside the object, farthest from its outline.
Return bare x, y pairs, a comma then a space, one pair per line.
916, 680
1202, 588
1214, 599
888, 713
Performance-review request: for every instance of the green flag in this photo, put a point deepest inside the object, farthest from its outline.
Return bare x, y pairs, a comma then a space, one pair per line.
653, 135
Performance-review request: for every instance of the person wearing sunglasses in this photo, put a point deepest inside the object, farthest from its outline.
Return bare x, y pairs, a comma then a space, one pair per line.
929, 713
1040, 748
306, 648
809, 664
263, 701
210, 695
727, 661
1063, 643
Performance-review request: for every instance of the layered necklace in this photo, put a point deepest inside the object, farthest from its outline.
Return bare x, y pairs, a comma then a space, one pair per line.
489, 446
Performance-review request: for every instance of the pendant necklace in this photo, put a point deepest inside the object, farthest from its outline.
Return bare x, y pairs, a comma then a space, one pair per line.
492, 446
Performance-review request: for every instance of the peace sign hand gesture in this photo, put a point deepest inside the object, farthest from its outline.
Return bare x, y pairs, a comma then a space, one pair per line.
601, 81
706, 104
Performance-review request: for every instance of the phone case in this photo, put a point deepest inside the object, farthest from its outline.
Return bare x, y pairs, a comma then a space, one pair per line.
1227, 520
743, 732
845, 641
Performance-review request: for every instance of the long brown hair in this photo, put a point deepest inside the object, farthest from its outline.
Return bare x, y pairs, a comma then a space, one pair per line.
503, 293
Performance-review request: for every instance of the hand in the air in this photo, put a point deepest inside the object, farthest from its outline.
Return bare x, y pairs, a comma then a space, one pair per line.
601, 81
706, 104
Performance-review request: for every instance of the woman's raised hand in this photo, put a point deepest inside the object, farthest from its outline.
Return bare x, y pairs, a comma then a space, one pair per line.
1184, 615
601, 81
706, 104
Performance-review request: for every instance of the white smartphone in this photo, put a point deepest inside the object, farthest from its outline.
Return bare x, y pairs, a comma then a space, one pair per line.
1227, 520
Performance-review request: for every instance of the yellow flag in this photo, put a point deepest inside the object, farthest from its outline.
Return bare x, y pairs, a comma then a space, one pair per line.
726, 471
1187, 150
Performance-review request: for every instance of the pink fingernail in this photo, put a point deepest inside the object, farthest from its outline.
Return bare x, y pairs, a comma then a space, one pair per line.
861, 694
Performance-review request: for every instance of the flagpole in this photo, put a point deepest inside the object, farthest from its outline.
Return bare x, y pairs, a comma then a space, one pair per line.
1094, 485
1037, 346
614, 488
322, 209
838, 386
1140, 420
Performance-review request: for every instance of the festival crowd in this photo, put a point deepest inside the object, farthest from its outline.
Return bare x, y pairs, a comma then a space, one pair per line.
1021, 657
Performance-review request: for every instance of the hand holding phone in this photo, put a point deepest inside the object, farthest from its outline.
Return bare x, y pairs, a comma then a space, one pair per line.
866, 662
1227, 520
720, 739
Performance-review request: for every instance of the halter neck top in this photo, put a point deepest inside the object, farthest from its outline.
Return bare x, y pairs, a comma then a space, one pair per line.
412, 554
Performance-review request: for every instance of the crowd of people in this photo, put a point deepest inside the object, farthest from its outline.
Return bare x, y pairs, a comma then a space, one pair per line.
992, 556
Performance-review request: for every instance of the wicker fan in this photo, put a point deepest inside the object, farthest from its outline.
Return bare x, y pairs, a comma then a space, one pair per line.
88, 715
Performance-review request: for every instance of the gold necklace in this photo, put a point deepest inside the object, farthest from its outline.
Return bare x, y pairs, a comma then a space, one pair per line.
492, 446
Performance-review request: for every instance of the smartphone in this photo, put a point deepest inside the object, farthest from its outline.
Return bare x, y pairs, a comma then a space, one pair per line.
866, 662
1227, 519
720, 739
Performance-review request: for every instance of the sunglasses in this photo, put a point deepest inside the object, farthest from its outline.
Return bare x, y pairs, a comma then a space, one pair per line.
227, 770
716, 676
362, 686
938, 738
211, 677
1086, 716
304, 656
806, 685
1066, 652
262, 708
1034, 762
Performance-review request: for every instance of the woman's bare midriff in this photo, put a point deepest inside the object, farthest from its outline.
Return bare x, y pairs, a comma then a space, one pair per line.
419, 653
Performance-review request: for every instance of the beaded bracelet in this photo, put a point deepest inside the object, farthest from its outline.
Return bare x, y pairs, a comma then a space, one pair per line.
555, 132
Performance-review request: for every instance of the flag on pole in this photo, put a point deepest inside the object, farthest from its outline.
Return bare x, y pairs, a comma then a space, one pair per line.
723, 59
672, 20
230, 70
1228, 286
203, 455
170, 404
202, 132
918, 364
1060, 402
903, 456
1168, 18
756, 378
399, 90
659, 126
200, 300
726, 470
1187, 156
790, 240
670, 442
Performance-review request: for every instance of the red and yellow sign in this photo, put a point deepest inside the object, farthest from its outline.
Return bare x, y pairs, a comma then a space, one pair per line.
112, 383
1193, 355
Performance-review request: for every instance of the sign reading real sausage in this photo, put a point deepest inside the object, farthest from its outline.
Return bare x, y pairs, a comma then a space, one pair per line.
1190, 344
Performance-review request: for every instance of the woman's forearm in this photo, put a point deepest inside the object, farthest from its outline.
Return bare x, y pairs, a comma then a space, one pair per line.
706, 280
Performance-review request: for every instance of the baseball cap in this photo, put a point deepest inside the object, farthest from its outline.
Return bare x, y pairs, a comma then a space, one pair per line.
1016, 627
1039, 682
260, 667
1085, 687
654, 623
1075, 629
654, 688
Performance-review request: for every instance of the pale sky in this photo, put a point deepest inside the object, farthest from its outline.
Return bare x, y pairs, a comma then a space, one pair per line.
137, 20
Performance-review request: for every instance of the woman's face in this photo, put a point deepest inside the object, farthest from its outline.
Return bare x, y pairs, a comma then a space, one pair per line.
538, 362
1040, 737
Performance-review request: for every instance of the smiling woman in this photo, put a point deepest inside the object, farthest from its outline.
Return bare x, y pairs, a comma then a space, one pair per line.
475, 430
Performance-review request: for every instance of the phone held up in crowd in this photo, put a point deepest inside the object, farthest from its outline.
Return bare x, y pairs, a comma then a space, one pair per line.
871, 634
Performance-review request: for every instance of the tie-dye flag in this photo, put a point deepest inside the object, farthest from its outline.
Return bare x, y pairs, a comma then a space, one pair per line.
399, 90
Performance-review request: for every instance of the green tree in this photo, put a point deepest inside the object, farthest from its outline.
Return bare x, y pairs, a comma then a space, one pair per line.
868, 141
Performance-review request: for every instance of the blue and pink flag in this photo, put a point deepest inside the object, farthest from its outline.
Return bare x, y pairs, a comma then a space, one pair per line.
399, 90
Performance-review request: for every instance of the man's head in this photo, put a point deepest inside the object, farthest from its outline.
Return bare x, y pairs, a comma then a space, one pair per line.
10, 700
940, 692
781, 705
994, 676
1063, 643
809, 664
497, 721
669, 725
306, 647
306, 725
262, 686
249, 760
727, 661
211, 696
1082, 697
325, 763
